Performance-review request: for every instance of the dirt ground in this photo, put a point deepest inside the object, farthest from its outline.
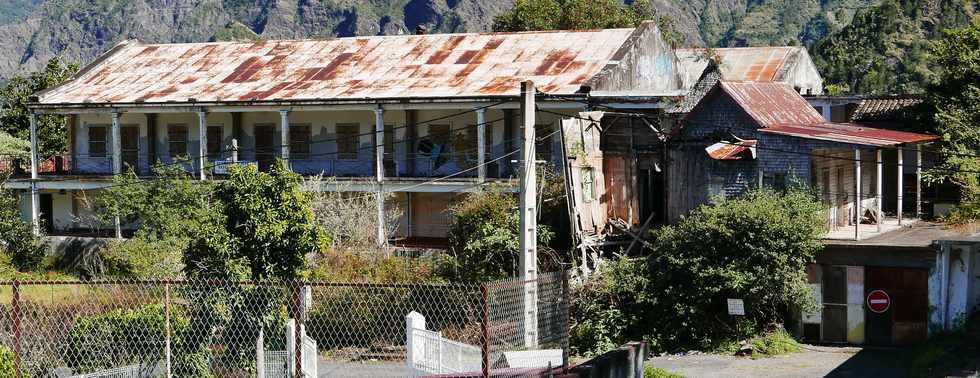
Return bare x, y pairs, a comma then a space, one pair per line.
813, 361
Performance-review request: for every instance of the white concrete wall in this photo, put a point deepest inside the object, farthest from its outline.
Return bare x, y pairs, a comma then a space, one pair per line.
954, 285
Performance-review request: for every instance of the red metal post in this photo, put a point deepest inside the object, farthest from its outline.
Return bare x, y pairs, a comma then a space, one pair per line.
298, 344
15, 313
485, 325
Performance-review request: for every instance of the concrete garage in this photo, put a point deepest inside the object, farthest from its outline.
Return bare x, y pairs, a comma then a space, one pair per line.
907, 268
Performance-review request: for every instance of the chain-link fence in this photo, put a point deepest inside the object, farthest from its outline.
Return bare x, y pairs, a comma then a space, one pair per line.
283, 329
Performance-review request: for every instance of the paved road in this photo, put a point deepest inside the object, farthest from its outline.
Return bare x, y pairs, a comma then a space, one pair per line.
812, 362
362, 369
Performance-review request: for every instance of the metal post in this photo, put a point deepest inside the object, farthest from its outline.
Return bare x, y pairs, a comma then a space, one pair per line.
202, 145
481, 141
284, 137
166, 314
918, 181
901, 183
234, 151
15, 313
116, 163
379, 172
857, 193
879, 187
528, 216
485, 331
35, 201
565, 301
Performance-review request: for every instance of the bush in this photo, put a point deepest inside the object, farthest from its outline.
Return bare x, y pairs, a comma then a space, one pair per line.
484, 236
120, 337
339, 265
655, 372
143, 259
17, 238
774, 343
755, 248
6, 362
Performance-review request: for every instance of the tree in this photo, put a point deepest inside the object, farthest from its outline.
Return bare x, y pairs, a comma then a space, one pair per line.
531, 15
17, 238
955, 98
755, 247
484, 236
52, 137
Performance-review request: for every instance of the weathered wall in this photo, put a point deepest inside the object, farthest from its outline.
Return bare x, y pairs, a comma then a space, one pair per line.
645, 64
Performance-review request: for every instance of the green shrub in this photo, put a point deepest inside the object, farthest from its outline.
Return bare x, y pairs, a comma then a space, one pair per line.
655, 372
6, 362
17, 238
119, 337
339, 265
774, 343
144, 259
755, 247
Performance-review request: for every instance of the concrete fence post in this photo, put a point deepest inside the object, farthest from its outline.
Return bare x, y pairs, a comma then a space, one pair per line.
260, 354
415, 348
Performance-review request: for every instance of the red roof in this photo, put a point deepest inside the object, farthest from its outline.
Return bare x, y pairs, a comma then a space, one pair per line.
850, 133
731, 150
772, 103
427, 66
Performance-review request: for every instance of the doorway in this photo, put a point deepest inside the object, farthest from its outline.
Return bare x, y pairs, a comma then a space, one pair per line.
47, 212
130, 147
265, 150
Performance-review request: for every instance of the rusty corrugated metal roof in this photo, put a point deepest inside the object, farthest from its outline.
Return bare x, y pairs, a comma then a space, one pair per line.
416, 66
739, 63
731, 150
770, 103
886, 109
850, 133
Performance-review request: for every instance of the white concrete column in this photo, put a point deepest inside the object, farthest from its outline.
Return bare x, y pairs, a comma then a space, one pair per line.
879, 185
528, 219
284, 137
481, 141
901, 182
35, 197
827, 112
857, 194
202, 145
918, 181
379, 172
116, 163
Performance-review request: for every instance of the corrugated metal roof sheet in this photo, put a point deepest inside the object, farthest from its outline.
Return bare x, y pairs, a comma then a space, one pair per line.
885, 109
739, 63
850, 133
731, 150
419, 66
770, 103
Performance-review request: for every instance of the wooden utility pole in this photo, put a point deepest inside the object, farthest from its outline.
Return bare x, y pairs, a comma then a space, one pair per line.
529, 223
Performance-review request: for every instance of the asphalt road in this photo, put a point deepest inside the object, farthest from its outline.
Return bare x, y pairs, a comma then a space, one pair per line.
814, 361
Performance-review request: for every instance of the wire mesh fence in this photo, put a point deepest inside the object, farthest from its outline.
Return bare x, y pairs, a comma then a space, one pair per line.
283, 329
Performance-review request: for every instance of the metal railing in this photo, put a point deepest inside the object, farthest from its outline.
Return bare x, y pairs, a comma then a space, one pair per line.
192, 328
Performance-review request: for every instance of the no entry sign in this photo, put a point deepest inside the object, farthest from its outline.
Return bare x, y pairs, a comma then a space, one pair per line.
879, 301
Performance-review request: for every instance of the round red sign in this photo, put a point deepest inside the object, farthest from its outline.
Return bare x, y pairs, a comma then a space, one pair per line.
878, 301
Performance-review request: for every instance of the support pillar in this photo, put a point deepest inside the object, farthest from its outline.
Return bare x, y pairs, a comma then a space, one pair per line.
879, 186
857, 194
918, 181
901, 183
35, 198
116, 163
379, 172
151, 140
202, 145
481, 144
284, 137
528, 220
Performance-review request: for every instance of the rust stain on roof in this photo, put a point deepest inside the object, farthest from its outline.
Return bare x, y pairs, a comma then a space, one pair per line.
741, 63
470, 65
851, 133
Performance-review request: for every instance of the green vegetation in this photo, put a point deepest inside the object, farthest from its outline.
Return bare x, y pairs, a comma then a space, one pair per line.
655, 372
773, 343
18, 242
755, 247
235, 31
52, 135
955, 99
6, 362
11, 147
119, 337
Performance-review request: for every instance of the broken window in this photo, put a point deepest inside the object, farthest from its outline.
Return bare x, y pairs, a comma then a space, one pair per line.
588, 184
97, 141
177, 140
347, 141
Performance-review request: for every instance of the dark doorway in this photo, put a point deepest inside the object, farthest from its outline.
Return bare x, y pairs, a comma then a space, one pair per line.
651, 187
835, 304
265, 151
47, 212
130, 147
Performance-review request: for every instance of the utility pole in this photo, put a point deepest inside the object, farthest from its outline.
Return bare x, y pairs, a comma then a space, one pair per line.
35, 200
529, 218
116, 163
379, 173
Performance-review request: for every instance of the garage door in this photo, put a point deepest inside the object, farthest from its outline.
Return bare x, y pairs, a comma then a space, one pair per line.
906, 319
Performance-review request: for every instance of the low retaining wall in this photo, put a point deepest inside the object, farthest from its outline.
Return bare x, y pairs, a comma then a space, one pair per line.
623, 362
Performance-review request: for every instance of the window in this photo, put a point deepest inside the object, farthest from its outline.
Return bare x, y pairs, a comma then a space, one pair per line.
215, 136
347, 139
588, 184
97, 141
716, 186
177, 140
299, 141
389, 140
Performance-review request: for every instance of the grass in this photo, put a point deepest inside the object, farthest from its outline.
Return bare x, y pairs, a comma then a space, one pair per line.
773, 343
655, 372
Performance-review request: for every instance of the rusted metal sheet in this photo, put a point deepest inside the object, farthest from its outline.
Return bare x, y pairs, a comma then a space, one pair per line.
412, 66
741, 63
744, 149
771, 104
886, 109
850, 133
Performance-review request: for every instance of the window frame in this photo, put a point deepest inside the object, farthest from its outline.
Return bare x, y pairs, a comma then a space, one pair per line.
347, 151
300, 140
217, 142
171, 141
104, 142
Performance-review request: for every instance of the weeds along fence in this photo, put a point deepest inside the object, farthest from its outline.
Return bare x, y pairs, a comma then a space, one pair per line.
283, 329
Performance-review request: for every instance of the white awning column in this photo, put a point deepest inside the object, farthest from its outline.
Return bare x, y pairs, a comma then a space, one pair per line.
202, 145
481, 144
35, 198
901, 183
116, 163
879, 186
284, 138
379, 155
857, 194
